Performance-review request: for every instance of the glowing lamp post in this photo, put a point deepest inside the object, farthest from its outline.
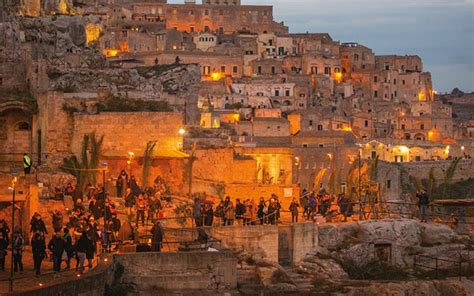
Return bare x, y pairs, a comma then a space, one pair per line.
14, 180
104, 168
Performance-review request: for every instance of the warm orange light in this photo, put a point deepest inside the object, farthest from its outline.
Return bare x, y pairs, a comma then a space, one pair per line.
216, 76
111, 52
337, 76
421, 97
347, 129
93, 32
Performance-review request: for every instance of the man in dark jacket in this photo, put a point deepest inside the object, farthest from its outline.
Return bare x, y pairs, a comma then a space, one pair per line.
157, 239
239, 211
197, 212
57, 246
68, 247
38, 247
3, 251
83, 246
424, 203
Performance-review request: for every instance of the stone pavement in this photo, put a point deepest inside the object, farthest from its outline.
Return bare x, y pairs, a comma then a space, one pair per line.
27, 280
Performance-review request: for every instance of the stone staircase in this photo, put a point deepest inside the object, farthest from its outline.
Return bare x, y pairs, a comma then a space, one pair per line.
304, 283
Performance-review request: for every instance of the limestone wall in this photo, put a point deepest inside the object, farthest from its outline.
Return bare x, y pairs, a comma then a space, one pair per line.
129, 131
153, 272
390, 175
258, 240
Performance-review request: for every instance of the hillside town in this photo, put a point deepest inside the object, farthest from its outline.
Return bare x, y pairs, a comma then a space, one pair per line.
157, 127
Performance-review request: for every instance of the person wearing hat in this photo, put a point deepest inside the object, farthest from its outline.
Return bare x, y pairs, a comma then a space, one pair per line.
37, 224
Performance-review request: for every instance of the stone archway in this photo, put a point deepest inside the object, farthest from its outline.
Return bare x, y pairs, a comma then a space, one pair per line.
15, 133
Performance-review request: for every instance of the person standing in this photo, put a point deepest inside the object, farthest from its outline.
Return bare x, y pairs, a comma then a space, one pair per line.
82, 246
57, 221
57, 245
157, 237
239, 211
261, 210
294, 211
38, 248
141, 208
27, 163
37, 224
130, 201
119, 183
229, 212
17, 251
5, 230
68, 247
3, 251
197, 212
424, 202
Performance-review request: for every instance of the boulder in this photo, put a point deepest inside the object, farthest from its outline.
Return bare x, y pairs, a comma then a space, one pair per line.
425, 288
323, 268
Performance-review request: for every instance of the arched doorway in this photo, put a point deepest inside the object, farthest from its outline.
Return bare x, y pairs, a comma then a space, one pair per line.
15, 134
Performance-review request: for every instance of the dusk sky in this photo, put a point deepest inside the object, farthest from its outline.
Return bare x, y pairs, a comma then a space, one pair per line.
441, 32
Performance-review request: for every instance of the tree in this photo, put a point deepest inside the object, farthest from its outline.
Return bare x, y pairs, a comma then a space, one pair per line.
85, 170
147, 159
448, 176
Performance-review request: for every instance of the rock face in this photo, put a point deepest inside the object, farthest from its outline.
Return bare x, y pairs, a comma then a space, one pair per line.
428, 288
401, 238
326, 269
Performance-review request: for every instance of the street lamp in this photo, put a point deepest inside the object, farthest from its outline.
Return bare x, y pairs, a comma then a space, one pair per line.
104, 166
182, 131
14, 180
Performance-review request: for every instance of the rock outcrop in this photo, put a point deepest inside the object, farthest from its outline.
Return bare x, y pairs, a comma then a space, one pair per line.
357, 241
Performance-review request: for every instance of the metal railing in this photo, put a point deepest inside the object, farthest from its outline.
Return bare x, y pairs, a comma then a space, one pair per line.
454, 268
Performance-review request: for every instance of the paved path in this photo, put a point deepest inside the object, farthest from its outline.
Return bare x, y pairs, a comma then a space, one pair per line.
28, 280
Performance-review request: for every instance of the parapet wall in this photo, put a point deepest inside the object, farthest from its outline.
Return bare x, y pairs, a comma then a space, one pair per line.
258, 240
160, 272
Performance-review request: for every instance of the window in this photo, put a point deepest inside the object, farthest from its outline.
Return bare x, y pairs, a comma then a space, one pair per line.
277, 93
310, 123
320, 127
373, 154
394, 81
387, 67
366, 123
24, 126
206, 70
375, 79
223, 69
287, 92
422, 126
206, 29
259, 69
403, 126
206, 12
273, 70
314, 70
235, 69
376, 94
191, 29
327, 70
403, 81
